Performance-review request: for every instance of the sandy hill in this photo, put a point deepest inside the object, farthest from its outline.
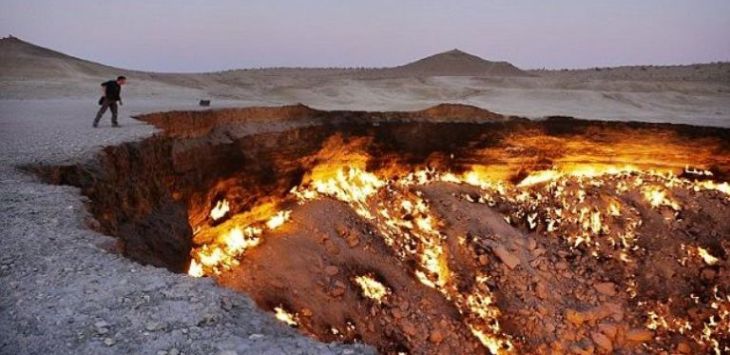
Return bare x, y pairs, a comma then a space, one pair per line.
458, 63
23, 60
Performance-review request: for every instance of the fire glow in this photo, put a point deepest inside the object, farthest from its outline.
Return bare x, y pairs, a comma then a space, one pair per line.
559, 198
597, 207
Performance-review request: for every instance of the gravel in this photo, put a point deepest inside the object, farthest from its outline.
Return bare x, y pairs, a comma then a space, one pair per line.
62, 292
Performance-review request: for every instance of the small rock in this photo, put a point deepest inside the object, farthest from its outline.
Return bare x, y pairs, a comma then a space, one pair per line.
337, 292
352, 241
639, 335
575, 317
610, 330
101, 327
331, 270
602, 341
606, 288
537, 252
541, 290
483, 260
708, 274
507, 258
409, 328
436, 337
331, 248
109, 341
152, 326
583, 347
683, 348
173, 351
342, 230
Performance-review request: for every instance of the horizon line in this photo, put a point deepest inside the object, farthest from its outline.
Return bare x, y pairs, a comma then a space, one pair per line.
363, 67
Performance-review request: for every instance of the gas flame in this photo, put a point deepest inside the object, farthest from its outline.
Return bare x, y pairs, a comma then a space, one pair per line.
283, 315
234, 240
371, 288
564, 201
706, 256
657, 197
195, 270
278, 219
220, 209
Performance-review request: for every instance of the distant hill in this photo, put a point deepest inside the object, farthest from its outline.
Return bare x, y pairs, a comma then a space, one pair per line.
458, 63
23, 60
20, 59
709, 72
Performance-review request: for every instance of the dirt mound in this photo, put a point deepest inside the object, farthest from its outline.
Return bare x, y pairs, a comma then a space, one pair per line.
458, 63
460, 112
198, 123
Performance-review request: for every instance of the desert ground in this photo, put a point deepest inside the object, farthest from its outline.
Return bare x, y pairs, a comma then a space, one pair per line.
64, 288
692, 94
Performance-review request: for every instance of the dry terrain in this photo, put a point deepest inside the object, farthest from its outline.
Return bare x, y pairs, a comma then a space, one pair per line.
693, 94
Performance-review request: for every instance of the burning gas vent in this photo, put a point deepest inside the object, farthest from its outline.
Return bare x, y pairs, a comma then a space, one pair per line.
427, 233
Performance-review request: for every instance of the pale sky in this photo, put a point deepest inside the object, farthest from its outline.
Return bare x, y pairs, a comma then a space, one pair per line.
205, 35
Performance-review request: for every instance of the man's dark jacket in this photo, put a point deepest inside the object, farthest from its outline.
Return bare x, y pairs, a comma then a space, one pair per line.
113, 90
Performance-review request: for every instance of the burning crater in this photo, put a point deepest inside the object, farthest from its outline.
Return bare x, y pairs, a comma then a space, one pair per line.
424, 232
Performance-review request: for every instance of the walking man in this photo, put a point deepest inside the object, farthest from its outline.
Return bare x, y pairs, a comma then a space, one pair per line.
111, 91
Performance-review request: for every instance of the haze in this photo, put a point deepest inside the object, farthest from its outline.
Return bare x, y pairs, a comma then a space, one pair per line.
196, 35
